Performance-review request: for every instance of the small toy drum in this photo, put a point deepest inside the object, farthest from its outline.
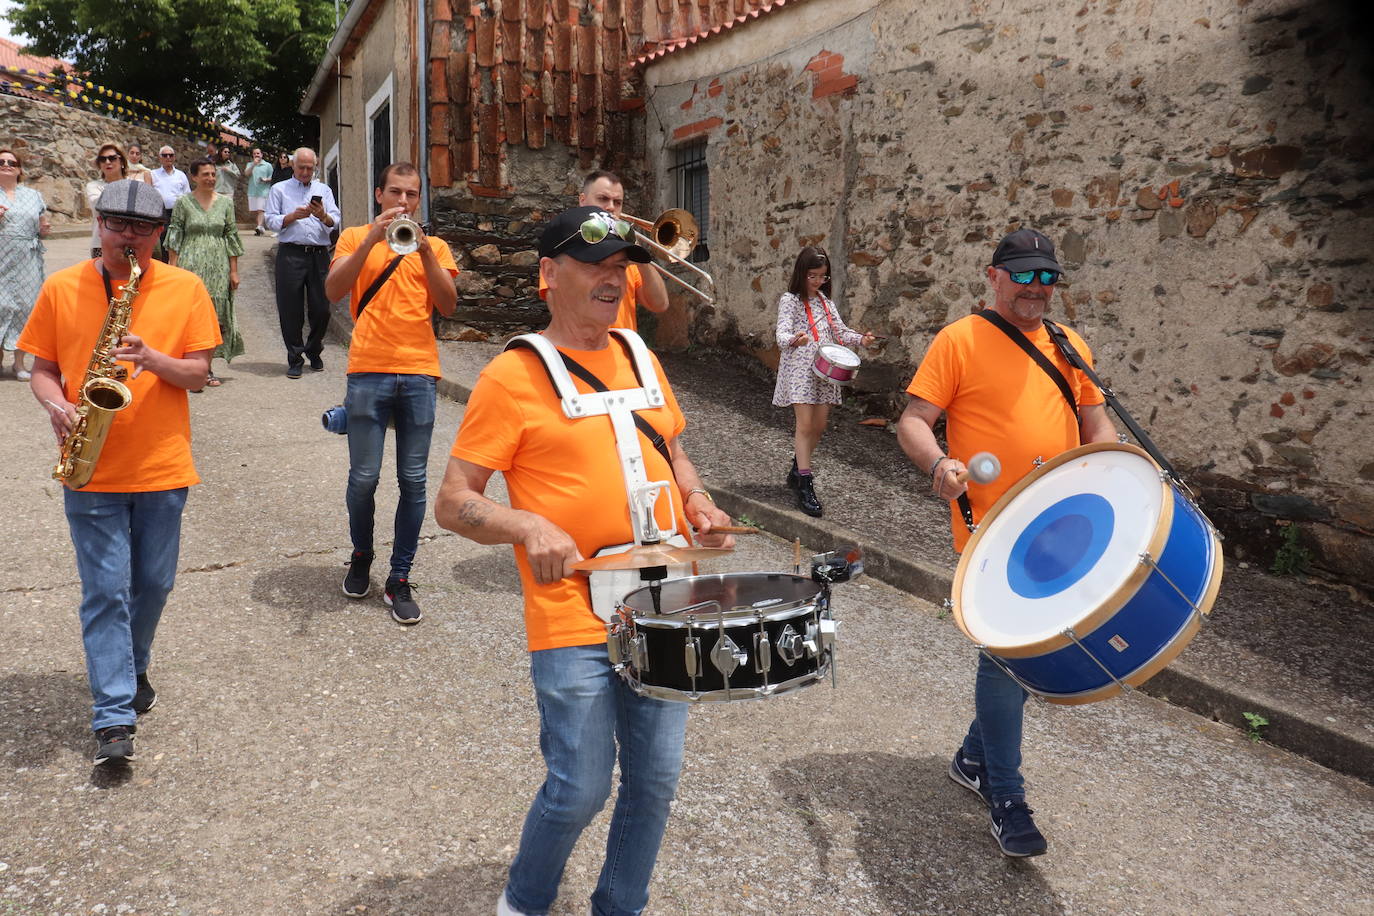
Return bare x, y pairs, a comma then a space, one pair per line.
835, 363
1090, 574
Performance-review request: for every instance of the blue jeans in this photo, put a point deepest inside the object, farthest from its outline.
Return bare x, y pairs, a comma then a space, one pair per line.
995, 735
126, 552
373, 400
584, 710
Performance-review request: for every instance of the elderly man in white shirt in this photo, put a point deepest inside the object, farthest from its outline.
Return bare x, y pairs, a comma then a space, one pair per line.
303, 213
170, 182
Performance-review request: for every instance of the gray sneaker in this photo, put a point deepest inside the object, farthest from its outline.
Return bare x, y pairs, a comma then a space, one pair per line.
403, 607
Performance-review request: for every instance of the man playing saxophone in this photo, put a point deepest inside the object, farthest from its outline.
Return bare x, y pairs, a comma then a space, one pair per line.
125, 522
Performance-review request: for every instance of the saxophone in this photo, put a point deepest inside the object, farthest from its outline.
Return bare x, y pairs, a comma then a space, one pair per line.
103, 393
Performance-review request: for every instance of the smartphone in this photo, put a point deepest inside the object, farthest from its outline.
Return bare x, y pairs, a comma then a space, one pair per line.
316, 199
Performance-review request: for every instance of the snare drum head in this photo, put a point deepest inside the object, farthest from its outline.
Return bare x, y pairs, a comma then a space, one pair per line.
837, 355
1060, 546
737, 593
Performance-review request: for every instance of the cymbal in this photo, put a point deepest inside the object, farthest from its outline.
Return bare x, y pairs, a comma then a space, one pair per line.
643, 556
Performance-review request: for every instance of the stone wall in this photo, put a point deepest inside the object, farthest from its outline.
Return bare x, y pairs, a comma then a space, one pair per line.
58, 146
1203, 164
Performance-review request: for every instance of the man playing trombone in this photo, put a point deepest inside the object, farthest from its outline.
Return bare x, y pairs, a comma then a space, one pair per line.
604, 190
393, 366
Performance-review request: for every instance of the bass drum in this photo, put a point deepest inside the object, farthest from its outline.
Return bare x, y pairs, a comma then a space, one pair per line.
1091, 572
717, 638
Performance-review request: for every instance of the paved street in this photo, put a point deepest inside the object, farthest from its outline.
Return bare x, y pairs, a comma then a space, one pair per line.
309, 756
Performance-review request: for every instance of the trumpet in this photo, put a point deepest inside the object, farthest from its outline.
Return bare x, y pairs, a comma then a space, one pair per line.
403, 235
672, 237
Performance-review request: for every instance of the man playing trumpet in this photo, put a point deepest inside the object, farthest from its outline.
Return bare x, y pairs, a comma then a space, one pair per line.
642, 286
125, 521
393, 366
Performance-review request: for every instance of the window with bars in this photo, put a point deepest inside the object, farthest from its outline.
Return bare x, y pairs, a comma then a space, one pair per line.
692, 191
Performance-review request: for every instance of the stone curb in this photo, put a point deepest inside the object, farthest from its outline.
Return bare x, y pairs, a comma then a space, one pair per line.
1298, 731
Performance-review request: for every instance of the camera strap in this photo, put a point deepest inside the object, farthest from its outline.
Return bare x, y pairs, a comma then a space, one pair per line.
377, 285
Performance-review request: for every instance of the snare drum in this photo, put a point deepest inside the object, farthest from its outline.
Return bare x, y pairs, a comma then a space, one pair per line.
836, 364
732, 637
1091, 572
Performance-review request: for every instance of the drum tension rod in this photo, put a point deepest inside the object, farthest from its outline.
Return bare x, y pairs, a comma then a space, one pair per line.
1147, 560
1068, 632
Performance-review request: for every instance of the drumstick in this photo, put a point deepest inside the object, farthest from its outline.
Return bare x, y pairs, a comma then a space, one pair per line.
796, 557
982, 468
735, 529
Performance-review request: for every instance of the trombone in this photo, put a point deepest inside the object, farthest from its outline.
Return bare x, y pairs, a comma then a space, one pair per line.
672, 236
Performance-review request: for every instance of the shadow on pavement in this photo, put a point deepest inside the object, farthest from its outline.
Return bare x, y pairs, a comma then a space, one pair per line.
44, 713
252, 367
303, 592
921, 840
491, 572
467, 890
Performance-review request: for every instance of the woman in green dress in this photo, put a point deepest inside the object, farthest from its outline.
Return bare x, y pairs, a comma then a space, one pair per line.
203, 239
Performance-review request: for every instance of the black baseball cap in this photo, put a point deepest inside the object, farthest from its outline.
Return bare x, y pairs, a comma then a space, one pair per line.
563, 235
1026, 249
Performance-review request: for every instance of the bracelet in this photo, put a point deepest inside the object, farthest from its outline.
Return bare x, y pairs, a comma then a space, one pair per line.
694, 491
931, 472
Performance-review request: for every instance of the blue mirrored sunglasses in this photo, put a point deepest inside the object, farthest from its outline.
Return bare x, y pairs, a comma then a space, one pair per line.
594, 230
1025, 277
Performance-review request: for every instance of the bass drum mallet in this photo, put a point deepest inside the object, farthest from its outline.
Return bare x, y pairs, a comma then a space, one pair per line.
982, 468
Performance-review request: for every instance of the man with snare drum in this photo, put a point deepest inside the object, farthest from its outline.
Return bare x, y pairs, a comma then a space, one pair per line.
568, 499
995, 399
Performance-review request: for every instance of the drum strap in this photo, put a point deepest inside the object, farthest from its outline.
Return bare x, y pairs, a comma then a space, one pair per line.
811, 319
1066, 347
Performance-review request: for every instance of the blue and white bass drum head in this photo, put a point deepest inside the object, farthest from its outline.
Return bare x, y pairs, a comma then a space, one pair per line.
1091, 572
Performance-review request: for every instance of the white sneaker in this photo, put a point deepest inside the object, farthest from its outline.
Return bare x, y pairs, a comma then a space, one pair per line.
23, 375
503, 907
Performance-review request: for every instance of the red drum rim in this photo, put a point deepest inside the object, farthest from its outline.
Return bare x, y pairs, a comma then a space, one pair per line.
1113, 602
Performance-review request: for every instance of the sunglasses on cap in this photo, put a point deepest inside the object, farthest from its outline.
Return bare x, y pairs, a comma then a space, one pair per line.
138, 226
1026, 277
595, 230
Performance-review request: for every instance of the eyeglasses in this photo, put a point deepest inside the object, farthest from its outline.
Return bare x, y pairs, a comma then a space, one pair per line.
1026, 277
12, 163
167, 155
106, 158
595, 230
818, 279
137, 226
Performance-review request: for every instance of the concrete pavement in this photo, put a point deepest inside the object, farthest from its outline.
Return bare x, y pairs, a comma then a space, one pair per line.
310, 756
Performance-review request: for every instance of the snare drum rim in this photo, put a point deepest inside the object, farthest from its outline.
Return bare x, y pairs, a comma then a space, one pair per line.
1113, 602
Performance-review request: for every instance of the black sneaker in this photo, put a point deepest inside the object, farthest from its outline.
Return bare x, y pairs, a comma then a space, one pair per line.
807, 500
356, 583
971, 776
403, 607
145, 697
316, 364
293, 371
115, 743
1015, 829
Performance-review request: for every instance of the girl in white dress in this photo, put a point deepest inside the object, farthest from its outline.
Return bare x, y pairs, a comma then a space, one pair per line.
808, 318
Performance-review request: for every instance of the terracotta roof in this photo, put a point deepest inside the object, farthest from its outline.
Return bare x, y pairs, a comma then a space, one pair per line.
12, 56
669, 45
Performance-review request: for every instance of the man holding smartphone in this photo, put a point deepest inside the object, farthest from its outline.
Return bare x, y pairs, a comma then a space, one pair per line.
303, 213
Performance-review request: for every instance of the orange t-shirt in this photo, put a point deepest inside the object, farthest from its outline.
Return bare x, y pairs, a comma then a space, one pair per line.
625, 317
996, 399
566, 470
149, 446
394, 334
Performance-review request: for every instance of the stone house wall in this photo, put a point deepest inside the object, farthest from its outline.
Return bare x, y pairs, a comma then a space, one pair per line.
1204, 166
58, 145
